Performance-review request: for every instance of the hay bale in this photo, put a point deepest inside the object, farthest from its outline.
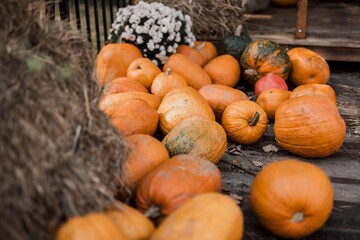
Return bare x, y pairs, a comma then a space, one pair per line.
59, 155
212, 19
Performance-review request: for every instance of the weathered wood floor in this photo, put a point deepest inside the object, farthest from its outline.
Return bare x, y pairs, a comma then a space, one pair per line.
240, 164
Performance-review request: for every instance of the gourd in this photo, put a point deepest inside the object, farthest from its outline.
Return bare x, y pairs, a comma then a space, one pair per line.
133, 223
197, 136
292, 198
236, 43
113, 61
123, 84
206, 49
262, 57
91, 226
223, 69
244, 121
270, 99
314, 89
180, 104
211, 216
145, 154
309, 126
220, 96
191, 53
194, 75
269, 81
174, 182
307, 67
165, 82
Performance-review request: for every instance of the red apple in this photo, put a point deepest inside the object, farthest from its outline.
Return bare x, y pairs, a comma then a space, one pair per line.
269, 81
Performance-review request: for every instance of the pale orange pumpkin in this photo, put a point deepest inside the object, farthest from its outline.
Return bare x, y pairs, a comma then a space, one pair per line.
307, 66
194, 75
292, 198
206, 49
113, 61
224, 69
180, 104
211, 216
174, 182
244, 121
309, 126
165, 82
314, 89
123, 84
191, 53
143, 70
197, 136
133, 223
270, 99
220, 96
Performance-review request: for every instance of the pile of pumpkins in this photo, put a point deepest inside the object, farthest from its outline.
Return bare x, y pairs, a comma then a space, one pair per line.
194, 103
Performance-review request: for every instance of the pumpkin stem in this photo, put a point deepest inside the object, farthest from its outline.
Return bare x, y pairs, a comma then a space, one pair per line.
298, 217
254, 120
153, 212
199, 47
251, 72
238, 30
168, 71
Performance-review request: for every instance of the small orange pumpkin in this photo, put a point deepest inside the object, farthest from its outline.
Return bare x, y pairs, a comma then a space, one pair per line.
197, 136
123, 84
180, 104
143, 70
113, 61
292, 198
307, 67
244, 121
194, 75
146, 153
309, 126
220, 96
224, 69
133, 223
165, 82
174, 182
206, 49
191, 53
314, 89
270, 99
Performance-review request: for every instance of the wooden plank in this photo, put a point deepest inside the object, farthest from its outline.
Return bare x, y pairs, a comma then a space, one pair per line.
300, 29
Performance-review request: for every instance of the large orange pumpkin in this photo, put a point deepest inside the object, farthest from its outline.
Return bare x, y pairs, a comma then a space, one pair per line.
262, 57
309, 126
292, 198
174, 182
113, 61
197, 136
307, 67
206, 49
314, 89
210, 216
123, 84
180, 104
191, 53
244, 121
92, 226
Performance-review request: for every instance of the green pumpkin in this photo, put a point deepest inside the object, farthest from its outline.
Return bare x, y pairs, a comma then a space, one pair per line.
262, 57
235, 44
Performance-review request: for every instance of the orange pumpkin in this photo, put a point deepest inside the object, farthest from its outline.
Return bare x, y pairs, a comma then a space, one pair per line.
292, 198
174, 182
146, 153
206, 49
180, 104
197, 136
270, 99
133, 223
314, 89
113, 61
191, 53
134, 116
244, 121
123, 84
92, 226
210, 216
220, 96
262, 57
309, 126
194, 75
143, 70
307, 67
224, 69
165, 82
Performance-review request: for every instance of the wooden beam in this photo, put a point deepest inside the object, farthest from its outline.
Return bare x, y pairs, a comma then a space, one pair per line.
301, 17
